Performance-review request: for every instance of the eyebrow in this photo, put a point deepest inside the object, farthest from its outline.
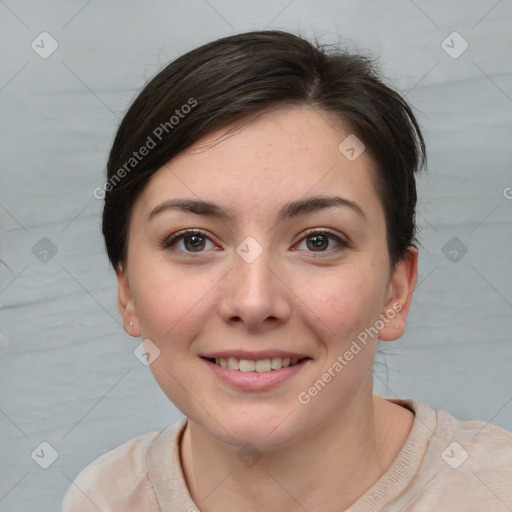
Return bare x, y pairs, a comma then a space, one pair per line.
289, 210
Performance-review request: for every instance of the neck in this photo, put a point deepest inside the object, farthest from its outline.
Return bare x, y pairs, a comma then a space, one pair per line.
348, 454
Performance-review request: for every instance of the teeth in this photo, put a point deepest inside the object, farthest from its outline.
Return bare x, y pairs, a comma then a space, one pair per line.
263, 365
260, 366
247, 366
276, 363
233, 363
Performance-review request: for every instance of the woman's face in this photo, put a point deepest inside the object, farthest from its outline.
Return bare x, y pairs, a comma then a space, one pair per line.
268, 275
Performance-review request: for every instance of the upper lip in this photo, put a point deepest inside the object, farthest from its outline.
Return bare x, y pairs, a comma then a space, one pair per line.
254, 356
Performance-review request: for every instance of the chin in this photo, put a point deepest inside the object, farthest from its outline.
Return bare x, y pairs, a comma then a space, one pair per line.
266, 431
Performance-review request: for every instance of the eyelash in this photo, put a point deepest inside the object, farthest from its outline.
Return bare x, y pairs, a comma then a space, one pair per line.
171, 241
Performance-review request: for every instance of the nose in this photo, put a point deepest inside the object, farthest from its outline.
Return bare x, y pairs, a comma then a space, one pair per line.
255, 294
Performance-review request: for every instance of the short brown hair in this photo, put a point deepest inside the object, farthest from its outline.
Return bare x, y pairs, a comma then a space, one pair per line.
236, 77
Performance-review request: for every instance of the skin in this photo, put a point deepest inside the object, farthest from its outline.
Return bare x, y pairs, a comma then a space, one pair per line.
293, 297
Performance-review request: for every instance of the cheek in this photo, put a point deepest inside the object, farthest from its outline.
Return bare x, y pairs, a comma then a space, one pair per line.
170, 305
343, 304
172, 311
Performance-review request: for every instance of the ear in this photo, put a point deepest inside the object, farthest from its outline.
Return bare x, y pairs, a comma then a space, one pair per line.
126, 304
399, 296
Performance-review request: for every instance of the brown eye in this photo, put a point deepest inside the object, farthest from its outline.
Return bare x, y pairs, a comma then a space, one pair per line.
320, 241
188, 241
194, 243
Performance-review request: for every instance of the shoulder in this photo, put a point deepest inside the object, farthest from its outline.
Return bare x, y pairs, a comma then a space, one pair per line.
465, 464
482, 444
119, 478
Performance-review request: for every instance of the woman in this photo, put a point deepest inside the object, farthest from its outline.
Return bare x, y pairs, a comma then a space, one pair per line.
259, 214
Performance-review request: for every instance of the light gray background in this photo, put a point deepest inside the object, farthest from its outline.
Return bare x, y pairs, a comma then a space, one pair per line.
68, 374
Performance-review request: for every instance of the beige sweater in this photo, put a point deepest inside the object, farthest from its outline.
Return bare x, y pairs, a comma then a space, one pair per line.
445, 465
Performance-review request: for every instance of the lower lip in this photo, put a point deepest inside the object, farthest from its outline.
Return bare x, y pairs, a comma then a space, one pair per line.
255, 381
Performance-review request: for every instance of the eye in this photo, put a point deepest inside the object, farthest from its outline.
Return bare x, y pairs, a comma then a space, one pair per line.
191, 240
321, 240
196, 241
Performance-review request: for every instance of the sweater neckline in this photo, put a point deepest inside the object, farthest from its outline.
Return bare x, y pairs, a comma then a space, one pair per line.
165, 472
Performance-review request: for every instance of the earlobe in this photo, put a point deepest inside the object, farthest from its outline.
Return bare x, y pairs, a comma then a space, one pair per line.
399, 297
126, 304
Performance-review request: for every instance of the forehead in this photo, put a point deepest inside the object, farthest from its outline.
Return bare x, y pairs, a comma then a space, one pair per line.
280, 156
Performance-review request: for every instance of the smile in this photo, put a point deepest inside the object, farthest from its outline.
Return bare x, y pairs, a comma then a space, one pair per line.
259, 365
257, 374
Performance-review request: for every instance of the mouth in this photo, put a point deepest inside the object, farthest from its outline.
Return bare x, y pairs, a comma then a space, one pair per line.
250, 372
262, 365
